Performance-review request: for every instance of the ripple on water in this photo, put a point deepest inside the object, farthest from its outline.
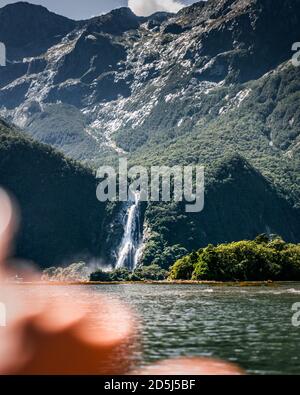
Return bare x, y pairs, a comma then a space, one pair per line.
251, 326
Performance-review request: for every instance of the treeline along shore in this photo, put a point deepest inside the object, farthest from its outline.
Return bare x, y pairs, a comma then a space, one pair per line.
263, 261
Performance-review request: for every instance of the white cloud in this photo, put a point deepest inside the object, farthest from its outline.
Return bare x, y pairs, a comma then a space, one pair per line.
148, 7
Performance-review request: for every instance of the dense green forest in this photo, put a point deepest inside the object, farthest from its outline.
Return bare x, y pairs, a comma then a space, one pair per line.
265, 258
239, 204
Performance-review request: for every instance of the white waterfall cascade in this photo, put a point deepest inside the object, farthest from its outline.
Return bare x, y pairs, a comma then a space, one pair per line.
131, 246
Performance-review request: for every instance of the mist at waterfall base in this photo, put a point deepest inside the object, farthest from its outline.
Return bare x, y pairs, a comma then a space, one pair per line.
127, 255
130, 250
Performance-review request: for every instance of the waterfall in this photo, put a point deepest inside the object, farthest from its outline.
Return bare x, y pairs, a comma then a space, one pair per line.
131, 246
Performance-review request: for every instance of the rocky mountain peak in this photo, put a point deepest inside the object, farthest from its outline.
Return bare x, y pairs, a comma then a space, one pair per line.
115, 22
28, 29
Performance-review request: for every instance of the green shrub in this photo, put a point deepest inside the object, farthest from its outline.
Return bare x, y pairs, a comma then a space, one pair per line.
144, 273
100, 276
257, 260
290, 260
184, 268
120, 275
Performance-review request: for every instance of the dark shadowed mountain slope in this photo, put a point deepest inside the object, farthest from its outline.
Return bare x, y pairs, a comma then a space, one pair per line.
61, 218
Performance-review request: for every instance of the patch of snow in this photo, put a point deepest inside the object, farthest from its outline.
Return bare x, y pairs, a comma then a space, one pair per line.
180, 122
234, 102
241, 96
291, 121
91, 37
172, 97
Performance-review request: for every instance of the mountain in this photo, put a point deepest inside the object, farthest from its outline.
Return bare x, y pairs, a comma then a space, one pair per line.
147, 82
61, 218
197, 87
29, 30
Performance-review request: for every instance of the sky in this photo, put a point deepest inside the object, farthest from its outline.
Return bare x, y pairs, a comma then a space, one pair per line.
78, 9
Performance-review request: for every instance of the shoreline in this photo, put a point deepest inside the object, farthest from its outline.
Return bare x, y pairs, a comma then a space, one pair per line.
183, 282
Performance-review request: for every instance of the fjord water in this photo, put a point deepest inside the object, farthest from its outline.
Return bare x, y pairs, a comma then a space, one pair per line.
250, 326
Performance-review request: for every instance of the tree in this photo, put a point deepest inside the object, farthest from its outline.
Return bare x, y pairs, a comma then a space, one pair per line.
262, 239
256, 260
183, 269
100, 276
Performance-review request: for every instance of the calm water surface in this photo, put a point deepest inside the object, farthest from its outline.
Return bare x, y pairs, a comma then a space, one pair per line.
251, 326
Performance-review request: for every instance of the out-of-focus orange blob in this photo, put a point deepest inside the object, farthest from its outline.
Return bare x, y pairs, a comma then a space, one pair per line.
8, 224
60, 338
192, 367
57, 336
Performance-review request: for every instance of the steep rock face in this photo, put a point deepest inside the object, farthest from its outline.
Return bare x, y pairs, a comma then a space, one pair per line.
93, 55
138, 80
115, 22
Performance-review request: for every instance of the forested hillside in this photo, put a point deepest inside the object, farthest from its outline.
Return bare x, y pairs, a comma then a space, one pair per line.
61, 218
239, 204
